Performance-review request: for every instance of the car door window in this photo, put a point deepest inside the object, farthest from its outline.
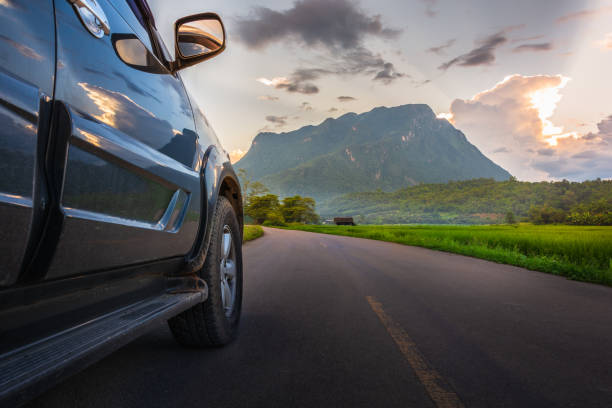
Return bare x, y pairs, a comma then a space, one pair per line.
133, 16
138, 15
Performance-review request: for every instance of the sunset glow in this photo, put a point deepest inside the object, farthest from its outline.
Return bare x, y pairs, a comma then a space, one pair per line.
236, 155
273, 82
444, 115
545, 101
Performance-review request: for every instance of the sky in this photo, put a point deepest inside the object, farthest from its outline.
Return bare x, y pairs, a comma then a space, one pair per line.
528, 82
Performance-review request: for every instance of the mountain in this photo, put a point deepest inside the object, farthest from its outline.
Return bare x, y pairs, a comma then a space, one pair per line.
386, 149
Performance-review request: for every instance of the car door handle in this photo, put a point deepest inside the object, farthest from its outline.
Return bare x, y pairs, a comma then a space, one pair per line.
92, 16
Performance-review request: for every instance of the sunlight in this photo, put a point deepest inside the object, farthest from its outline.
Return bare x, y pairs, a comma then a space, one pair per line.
273, 82
236, 155
109, 103
606, 43
553, 140
545, 101
444, 115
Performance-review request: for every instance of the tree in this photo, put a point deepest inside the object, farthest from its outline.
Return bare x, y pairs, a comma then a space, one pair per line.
510, 218
256, 189
299, 209
245, 181
250, 188
261, 207
545, 214
595, 213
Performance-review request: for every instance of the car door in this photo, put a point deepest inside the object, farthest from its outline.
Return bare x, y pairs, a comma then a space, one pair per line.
127, 158
27, 62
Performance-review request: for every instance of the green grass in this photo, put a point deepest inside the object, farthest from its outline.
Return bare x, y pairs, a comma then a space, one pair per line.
580, 253
252, 232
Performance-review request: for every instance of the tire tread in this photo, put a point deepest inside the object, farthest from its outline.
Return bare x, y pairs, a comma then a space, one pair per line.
205, 324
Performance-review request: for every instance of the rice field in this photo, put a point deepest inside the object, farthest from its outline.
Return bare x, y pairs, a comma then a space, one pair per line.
580, 253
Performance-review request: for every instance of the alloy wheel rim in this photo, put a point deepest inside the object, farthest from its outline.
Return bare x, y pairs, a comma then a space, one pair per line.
228, 271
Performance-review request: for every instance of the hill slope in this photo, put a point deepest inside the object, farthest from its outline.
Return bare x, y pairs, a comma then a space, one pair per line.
466, 202
386, 148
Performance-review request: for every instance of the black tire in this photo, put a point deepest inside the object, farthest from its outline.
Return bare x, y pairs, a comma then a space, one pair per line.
207, 324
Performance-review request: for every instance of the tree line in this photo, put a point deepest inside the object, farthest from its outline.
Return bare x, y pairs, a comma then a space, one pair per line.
266, 209
482, 201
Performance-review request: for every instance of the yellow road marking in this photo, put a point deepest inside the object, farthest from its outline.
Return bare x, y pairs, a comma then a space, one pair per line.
439, 391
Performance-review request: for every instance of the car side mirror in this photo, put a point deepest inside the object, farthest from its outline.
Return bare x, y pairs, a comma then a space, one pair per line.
198, 38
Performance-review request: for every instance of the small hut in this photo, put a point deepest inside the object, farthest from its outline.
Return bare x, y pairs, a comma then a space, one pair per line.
344, 221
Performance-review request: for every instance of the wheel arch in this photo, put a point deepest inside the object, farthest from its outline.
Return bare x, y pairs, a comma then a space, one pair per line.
218, 178
230, 189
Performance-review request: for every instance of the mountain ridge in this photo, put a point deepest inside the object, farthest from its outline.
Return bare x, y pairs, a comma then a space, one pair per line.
385, 148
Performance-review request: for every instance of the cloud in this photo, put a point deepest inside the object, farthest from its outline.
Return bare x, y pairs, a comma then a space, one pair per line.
418, 84
294, 84
575, 161
587, 154
523, 39
430, 9
361, 60
267, 97
517, 114
236, 155
336, 29
439, 50
346, 98
604, 131
483, 54
534, 47
277, 120
388, 74
606, 43
350, 62
547, 151
335, 24
306, 106
583, 14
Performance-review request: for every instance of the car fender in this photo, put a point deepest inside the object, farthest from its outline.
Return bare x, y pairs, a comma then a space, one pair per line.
215, 169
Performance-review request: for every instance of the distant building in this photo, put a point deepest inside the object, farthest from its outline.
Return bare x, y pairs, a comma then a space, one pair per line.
344, 221
328, 222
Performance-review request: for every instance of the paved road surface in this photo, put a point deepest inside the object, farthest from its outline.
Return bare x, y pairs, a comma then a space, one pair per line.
335, 321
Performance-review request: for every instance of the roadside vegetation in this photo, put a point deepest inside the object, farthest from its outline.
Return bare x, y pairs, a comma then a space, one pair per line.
263, 208
580, 253
252, 232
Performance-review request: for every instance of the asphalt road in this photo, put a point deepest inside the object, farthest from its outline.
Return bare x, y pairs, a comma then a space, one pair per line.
334, 321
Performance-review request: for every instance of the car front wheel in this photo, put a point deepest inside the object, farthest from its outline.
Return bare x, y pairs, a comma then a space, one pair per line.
215, 322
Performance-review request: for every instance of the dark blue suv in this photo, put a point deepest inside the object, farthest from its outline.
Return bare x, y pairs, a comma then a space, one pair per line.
118, 206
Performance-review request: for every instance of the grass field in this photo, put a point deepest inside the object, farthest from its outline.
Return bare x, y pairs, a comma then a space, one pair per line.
580, 253
252, 232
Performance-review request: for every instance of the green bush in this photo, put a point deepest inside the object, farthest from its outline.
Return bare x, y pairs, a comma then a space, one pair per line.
275, 219
252, 232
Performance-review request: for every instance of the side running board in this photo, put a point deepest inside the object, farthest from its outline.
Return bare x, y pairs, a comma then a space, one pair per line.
32, 369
